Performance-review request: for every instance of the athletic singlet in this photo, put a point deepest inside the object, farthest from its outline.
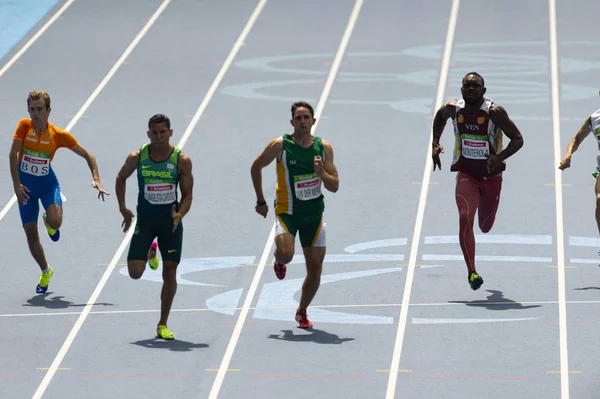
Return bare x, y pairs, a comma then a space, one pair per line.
298, 189
39, 148
475, 137
157, 182
595, 126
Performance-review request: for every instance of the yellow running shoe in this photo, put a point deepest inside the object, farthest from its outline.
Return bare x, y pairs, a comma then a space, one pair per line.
42, 286
164, 333
153, 256
54, 234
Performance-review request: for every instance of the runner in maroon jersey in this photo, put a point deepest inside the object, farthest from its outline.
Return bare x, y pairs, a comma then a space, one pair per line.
479, 126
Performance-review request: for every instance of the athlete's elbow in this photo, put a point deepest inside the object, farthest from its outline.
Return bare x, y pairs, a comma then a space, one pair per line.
334, 187
187, 198
520, 142
120, 181
255, 169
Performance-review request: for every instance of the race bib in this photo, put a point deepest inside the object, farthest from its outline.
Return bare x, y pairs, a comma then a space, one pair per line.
307, 187
475, 147
35, 163
160, 193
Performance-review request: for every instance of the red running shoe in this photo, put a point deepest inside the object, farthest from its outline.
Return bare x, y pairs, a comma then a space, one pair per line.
302, 319
279, 270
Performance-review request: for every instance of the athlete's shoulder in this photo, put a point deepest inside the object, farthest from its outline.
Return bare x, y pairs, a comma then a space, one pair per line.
135, 154
595, 114
327, 147
25, 122
23, 127
451, 103
448, 109
495, 108
184, 163
278, 141
56, 129
183, 157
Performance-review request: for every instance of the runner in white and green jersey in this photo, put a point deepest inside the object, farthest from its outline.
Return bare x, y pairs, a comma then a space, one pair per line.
590, 125
161, 169
304, 165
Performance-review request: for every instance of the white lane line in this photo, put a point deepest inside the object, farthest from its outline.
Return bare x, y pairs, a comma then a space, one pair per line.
71, 337
393, 377
34, 38
560, 240
214, 392
481, 303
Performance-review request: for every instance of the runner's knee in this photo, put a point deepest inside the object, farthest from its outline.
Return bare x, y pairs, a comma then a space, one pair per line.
284, 255
463, 215
485, 227
54, 221
32, 234
314, 270
314, 261
169, 271
136, 268
54, 216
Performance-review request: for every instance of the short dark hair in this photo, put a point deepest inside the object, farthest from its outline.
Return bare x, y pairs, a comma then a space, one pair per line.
159, 118
302, 104
476, 74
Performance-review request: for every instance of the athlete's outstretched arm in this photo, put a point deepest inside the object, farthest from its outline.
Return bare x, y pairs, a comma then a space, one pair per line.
130, 165
445, 112
271, 152
186, 184
500, 117
93, 165
583, 132
328, 172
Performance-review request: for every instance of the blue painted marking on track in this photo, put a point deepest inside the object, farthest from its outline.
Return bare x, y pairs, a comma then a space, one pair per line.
495, 239
17, 18
489, 258
226, 302
585, 261
281, 293
511, 64
187, 266
584, 242
276, 299
363, 246
425, 320
343, 258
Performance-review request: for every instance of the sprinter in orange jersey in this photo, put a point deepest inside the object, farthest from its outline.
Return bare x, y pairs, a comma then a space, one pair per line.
35, 142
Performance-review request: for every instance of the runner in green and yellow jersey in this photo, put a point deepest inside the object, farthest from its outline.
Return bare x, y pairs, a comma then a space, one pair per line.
161, 169
304, 165
590, 125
